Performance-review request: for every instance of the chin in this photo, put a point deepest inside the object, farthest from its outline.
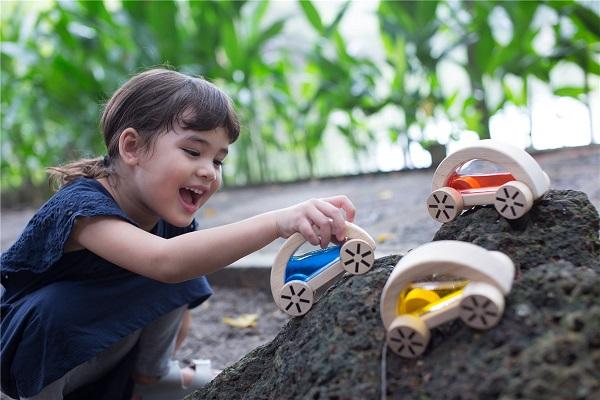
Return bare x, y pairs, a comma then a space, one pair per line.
180, 222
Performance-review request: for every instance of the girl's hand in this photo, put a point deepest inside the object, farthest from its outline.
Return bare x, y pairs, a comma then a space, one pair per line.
318, 220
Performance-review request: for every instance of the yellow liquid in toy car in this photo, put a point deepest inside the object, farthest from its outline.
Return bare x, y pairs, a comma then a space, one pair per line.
420, 297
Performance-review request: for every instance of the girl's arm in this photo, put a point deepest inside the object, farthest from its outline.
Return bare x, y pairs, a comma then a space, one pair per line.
199, 253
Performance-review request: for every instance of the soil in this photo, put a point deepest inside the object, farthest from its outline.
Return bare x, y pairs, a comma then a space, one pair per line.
211, 338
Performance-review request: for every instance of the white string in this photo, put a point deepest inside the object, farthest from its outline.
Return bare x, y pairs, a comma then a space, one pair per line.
384, 370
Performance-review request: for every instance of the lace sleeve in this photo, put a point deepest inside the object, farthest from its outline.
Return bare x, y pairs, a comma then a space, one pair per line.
42, 241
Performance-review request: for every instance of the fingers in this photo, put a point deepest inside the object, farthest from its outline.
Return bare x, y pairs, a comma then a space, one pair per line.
328, 216
344, 203
319, 221
322, 223
335, 219
307, 231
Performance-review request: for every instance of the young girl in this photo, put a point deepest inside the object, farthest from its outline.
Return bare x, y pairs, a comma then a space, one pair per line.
98, 283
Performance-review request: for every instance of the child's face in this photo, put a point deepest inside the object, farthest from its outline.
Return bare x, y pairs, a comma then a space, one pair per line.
181, 172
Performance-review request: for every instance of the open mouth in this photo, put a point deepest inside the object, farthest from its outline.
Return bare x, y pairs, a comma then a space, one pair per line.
190, 197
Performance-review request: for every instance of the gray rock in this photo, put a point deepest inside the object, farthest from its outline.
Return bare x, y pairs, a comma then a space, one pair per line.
562, 226
547, 345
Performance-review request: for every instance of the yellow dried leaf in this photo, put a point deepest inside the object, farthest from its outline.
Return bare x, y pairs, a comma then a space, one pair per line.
383, 237
210, 212
242, 321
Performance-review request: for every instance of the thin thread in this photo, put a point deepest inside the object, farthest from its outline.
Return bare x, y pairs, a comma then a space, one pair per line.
384, 371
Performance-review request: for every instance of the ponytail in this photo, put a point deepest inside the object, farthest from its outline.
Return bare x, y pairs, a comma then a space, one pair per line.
84, 168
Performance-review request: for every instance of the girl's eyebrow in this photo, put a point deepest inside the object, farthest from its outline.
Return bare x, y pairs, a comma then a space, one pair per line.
195, 138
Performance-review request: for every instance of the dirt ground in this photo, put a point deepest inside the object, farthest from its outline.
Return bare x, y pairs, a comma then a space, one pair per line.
224, 344
390, 207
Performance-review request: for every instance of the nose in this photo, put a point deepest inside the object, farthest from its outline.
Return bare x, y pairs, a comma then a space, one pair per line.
206, 171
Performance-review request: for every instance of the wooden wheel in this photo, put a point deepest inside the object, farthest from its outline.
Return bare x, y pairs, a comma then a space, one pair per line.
357, 256
444, 204
408, 336
482, 305
513, 200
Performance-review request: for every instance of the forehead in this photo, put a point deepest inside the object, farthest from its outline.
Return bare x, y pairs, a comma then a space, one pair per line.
216, 138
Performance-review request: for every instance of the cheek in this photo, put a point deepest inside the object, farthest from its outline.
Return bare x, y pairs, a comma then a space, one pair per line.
216, 185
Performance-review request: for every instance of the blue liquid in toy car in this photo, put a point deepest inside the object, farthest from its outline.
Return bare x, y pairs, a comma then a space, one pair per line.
307, 265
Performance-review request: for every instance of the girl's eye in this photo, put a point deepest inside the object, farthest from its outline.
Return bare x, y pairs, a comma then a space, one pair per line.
191, 152
218, 163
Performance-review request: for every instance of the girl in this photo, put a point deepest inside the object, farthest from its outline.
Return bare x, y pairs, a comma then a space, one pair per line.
97, 285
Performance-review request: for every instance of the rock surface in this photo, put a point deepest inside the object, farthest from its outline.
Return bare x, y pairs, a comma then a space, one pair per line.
546, 346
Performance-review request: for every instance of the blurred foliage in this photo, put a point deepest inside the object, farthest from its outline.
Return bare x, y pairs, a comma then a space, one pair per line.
467, 31
60, 62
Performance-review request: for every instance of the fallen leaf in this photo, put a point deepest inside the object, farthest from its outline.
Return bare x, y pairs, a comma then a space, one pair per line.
243, 321
383, 237
210, 212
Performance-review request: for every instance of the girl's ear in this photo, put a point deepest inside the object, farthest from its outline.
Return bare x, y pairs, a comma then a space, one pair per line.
130, 146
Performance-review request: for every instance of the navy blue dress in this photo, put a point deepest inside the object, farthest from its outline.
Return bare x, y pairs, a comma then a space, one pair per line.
61, 309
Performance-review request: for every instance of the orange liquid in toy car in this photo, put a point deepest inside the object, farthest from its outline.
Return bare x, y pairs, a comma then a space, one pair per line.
478, 175
420, 297
483, 181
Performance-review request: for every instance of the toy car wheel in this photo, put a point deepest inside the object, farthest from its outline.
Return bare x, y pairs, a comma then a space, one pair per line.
408, 336
357, 256
296, 298
482, 305
444, 204
513, 200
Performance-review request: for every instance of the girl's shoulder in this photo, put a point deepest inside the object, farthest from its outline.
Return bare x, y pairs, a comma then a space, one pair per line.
82, 194
84, 197
42, 241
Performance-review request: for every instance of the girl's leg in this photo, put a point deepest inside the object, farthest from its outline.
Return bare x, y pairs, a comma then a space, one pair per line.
87, 372
184, 329
156, 346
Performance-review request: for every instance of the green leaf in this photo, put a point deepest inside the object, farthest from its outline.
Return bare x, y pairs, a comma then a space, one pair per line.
260, 10
270, 32
569, 91
230, 45
588, 17
593, 67
336, 21
425, 12
162, 22
484, 49
311, 13
449, 101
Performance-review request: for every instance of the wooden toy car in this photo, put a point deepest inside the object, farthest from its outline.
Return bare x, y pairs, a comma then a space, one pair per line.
438, 282
512, 181
297, 280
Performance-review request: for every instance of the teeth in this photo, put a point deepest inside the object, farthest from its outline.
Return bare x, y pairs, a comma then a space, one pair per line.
197, 191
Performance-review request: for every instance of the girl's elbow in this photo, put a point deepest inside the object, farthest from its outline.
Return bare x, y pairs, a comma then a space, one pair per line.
166, 274
164, 269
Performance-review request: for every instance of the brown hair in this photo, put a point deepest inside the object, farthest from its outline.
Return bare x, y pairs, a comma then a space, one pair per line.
152, 103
